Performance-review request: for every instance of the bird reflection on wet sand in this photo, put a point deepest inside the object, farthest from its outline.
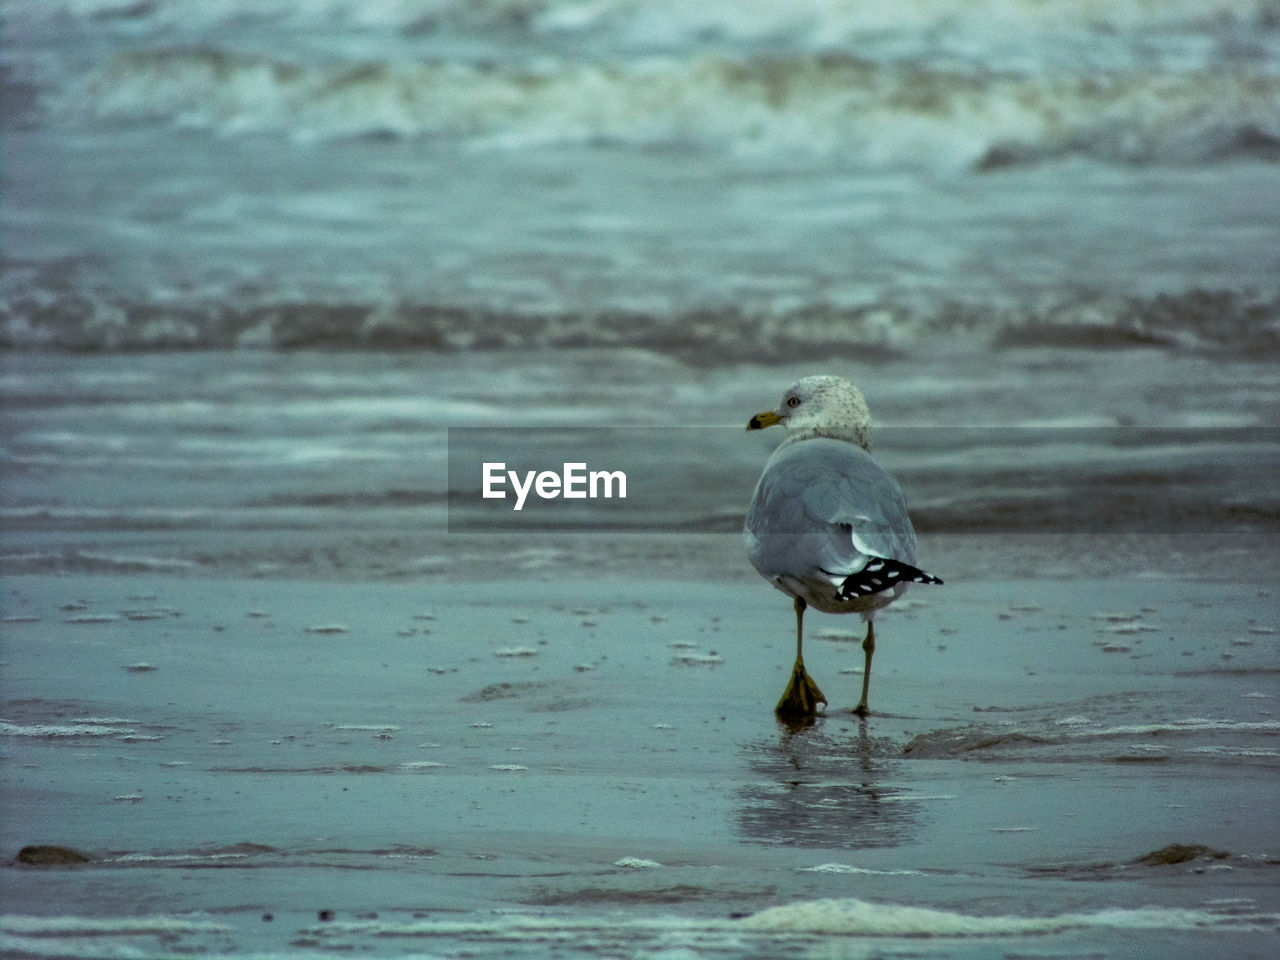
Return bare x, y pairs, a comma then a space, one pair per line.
812, 788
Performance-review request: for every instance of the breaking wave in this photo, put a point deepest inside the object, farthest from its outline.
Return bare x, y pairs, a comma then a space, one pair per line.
816, 103
857, 917
1218, 321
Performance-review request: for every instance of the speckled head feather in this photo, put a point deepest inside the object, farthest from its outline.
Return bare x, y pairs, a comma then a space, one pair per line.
824, 406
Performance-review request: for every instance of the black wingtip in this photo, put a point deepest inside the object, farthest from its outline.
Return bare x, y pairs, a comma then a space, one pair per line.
882, 574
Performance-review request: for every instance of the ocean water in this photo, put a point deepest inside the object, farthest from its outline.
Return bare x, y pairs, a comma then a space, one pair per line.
277, 278
370, 465
762, 181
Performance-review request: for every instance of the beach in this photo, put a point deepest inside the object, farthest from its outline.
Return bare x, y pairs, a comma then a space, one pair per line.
288, 687
287, 289
594, 768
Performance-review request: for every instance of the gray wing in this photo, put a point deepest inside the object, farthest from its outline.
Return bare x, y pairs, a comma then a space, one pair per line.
825, 504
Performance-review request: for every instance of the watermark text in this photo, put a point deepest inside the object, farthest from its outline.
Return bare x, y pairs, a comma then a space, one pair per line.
574, 482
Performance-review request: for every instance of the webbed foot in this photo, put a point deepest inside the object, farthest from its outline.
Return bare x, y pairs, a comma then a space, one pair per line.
802, 696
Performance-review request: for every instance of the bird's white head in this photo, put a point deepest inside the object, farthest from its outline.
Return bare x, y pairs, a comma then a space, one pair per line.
820, 406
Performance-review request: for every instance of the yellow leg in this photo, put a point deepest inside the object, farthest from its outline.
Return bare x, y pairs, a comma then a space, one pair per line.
802, 695
869, 648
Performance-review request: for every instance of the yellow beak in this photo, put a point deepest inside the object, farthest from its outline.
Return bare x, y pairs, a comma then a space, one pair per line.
762, 420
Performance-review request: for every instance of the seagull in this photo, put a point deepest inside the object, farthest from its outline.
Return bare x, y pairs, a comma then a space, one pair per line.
827, 525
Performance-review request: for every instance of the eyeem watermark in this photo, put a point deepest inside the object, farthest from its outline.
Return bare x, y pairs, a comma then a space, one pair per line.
574, 482
511, 481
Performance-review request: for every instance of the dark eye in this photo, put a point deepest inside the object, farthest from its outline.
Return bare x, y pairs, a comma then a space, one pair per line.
793, 401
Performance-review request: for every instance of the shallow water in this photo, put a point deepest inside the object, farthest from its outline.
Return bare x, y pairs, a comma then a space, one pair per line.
370, 465
565, 769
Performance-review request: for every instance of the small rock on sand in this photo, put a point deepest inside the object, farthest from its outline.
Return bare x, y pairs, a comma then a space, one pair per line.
46, 854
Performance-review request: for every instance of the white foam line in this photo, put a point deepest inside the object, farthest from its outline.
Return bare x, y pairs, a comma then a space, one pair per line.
1196, 725
843, 917
103, 721
858, 917
26, 926
173, 857
60, 730
851, 869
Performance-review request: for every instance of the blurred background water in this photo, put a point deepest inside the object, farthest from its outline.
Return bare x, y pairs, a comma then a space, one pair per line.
258, 257
715, 181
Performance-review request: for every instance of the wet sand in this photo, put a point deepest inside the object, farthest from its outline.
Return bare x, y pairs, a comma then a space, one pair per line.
592, 767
